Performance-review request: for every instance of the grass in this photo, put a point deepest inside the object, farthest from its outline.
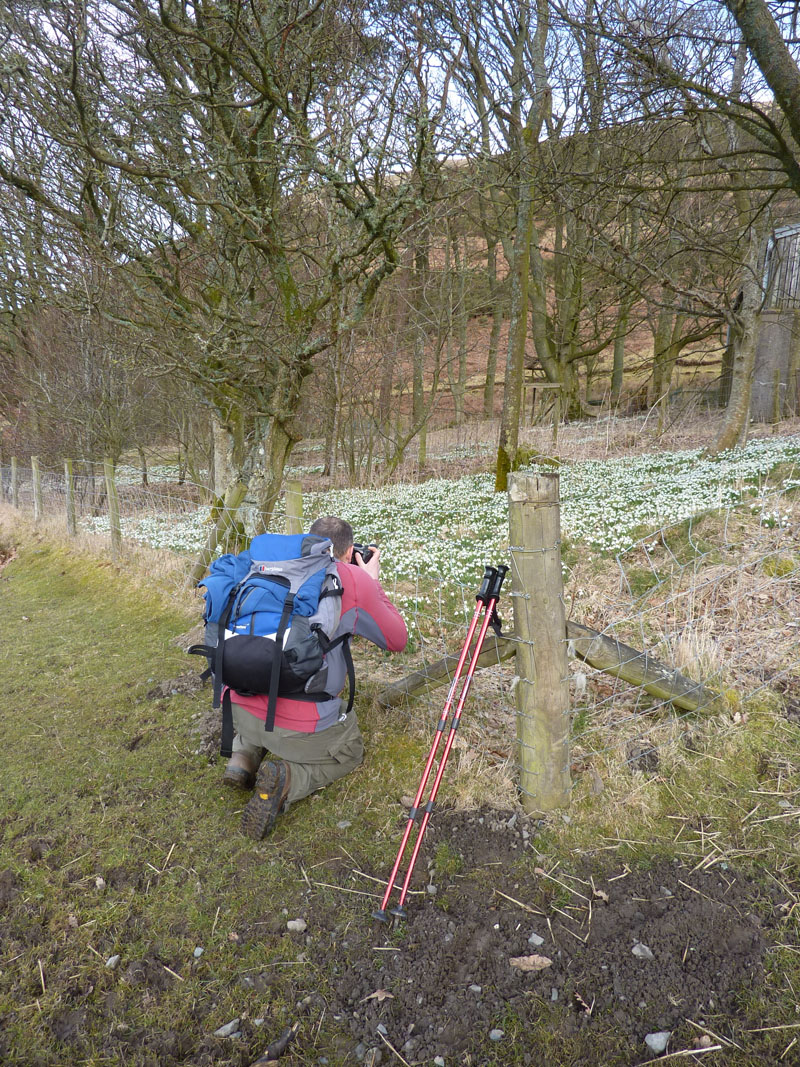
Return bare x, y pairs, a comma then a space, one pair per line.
116, 838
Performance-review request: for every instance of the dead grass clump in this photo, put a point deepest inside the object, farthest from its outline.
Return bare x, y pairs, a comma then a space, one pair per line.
157, 570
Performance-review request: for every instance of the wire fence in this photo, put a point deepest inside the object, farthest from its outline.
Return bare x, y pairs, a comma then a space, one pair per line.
697, 618
715, 600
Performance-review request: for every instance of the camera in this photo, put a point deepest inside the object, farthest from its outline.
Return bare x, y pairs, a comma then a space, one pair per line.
365, 551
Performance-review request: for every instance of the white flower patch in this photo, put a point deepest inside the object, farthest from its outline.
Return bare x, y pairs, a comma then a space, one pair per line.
439, 535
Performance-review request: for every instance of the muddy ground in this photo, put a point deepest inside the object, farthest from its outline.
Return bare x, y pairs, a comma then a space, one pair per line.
619, 953
501, 960
624, 953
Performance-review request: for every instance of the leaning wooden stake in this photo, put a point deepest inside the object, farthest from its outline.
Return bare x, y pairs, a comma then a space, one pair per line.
539, 628
599, 651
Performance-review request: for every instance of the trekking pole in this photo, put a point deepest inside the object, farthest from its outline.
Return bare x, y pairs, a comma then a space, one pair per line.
487, 598
488, 577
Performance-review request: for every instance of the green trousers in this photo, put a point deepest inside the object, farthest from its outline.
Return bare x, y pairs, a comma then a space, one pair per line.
314, 760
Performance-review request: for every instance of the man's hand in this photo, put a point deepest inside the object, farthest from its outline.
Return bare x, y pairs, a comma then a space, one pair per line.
373, 565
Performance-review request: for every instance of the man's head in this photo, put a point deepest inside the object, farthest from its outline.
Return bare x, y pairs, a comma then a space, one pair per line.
339, 531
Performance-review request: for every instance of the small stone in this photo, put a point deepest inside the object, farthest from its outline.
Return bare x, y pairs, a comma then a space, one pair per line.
642, 952
112, 962
360, 1050
432, 890
259, 1021
297, 926
658, 1042
344, 824
553, 993
496, 1035
438, 1061
100, 882
476, 989
382, 1029
534, 939
373, 1057
198, 952
228, 1029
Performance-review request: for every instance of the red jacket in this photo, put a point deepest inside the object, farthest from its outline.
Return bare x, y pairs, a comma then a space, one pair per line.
366, 612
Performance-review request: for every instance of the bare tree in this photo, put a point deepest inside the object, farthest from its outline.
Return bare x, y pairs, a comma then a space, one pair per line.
207, 154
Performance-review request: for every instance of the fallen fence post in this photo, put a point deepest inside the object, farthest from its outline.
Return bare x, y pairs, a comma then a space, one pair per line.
542, 694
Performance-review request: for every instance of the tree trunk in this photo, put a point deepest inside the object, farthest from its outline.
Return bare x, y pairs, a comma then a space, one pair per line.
620, 337
744, 341
497, 325
223, 452
744, 333
517, 337
766, 44
225, 520
267, 479
460, 314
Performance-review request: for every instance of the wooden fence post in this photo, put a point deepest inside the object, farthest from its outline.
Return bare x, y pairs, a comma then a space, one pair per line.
113, 506
69, 489
540, 629
294, 507
14, 483
36, 475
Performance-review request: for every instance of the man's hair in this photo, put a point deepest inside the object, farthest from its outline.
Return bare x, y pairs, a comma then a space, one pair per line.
339, 531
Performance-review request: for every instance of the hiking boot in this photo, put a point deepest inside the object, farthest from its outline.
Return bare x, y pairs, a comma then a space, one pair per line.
240, 772
266, 803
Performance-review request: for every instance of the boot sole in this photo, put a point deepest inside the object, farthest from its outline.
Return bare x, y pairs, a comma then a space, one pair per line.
262, 810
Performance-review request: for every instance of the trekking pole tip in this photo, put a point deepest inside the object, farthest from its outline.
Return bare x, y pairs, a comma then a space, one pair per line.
399, 912
380, 915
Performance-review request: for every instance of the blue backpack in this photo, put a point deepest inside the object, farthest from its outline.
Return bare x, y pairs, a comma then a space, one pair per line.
270, 615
